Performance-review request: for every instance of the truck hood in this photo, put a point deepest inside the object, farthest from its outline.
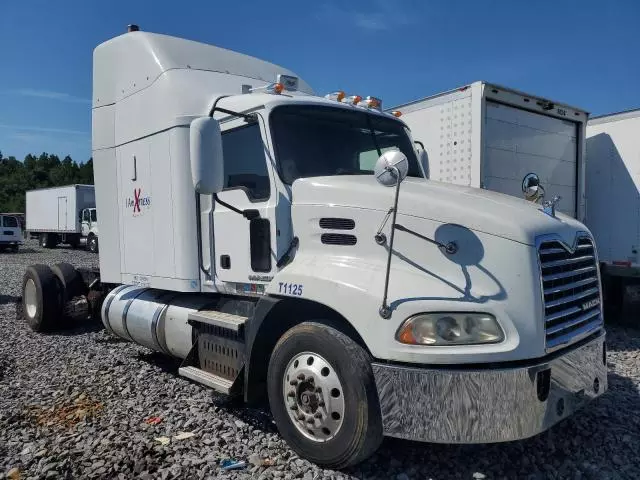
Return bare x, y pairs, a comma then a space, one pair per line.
480, 210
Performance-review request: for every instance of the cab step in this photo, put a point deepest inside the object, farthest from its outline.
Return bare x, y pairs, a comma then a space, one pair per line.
214, 318
211, 380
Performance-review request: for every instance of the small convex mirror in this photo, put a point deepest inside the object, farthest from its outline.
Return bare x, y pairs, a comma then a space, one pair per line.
391, 168
531, 187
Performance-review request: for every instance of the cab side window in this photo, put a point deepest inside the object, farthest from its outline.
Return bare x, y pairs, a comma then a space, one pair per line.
85, 215
245, 163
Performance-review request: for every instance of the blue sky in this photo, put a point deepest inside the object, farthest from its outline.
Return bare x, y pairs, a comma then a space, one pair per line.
585, 53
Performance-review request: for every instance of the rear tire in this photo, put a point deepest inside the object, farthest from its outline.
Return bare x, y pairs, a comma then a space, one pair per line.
347, 400
48, 240
71, 280
41, 298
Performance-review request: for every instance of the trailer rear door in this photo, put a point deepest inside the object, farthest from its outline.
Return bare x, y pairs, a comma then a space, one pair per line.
517, 142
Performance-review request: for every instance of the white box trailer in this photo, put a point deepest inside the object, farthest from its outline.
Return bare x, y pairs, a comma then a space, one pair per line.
613, 200
487, 136
63, 215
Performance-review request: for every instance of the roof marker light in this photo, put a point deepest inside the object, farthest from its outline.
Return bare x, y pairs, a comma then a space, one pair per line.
396, 113
353, 99
336, 96
373, 102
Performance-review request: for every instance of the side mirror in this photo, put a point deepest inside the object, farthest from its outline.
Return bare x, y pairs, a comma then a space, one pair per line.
391, 168
531, 187
205, 149
424, 161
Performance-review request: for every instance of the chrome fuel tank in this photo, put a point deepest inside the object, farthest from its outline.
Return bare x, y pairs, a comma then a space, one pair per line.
156, 319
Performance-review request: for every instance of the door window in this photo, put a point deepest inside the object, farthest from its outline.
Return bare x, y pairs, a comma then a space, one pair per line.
94, 216
85, 215
245, 163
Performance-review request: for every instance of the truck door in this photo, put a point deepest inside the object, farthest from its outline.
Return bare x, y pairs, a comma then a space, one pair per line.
244, 249
62, 213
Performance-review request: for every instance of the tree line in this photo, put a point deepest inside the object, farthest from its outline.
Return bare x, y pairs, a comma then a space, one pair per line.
45, 170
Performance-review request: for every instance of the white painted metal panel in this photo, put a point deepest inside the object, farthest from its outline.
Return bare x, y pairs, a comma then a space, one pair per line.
445, 129
43, 210
517, 142
613, 186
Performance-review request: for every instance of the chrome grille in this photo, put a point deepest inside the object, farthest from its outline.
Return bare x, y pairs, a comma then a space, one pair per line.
571, 291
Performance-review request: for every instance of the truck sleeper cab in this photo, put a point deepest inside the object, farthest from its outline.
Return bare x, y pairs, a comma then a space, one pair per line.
288, 248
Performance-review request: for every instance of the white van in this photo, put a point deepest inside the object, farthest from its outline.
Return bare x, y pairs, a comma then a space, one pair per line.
10, 233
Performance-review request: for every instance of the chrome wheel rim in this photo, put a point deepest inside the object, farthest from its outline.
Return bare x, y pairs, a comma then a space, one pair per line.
313, 396
31, 298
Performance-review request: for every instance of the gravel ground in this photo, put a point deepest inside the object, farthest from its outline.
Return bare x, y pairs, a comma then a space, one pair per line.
76, 405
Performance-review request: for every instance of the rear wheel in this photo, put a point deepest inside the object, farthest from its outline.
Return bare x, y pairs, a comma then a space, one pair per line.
323, 396
41, 298
48, 240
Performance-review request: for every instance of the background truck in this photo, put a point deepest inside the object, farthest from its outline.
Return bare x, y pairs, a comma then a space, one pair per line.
613, 203
63, 215
487, 136
10, 232
246, 230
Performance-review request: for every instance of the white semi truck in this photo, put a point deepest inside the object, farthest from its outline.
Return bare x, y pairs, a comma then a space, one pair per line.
488, 136
288, 248
64, 215
613, 204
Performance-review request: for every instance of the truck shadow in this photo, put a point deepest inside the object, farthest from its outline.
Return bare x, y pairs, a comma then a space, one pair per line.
20, 251
4, 299
468, 258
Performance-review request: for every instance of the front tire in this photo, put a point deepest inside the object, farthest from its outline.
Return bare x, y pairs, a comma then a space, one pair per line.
323, 396
41, 298
93, 244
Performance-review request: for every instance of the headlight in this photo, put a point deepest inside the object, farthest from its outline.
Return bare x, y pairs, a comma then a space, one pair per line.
450, 329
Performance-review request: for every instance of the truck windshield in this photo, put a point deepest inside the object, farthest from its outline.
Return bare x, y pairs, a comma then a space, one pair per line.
314, 141
10, 222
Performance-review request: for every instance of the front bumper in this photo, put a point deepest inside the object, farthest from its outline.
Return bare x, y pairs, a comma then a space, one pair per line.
443, 405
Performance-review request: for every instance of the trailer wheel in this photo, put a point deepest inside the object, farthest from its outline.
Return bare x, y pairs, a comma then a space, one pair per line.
323, 396
93, 244
41, 298
71, 280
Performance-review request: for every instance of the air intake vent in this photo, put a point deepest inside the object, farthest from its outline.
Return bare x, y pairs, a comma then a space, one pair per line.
571, 292
338, 239
337, 223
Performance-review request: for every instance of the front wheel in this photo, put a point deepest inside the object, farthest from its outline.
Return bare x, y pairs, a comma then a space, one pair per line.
323, 397
93, 244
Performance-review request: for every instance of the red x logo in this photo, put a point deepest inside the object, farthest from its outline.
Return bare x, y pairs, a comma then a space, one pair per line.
136, 199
